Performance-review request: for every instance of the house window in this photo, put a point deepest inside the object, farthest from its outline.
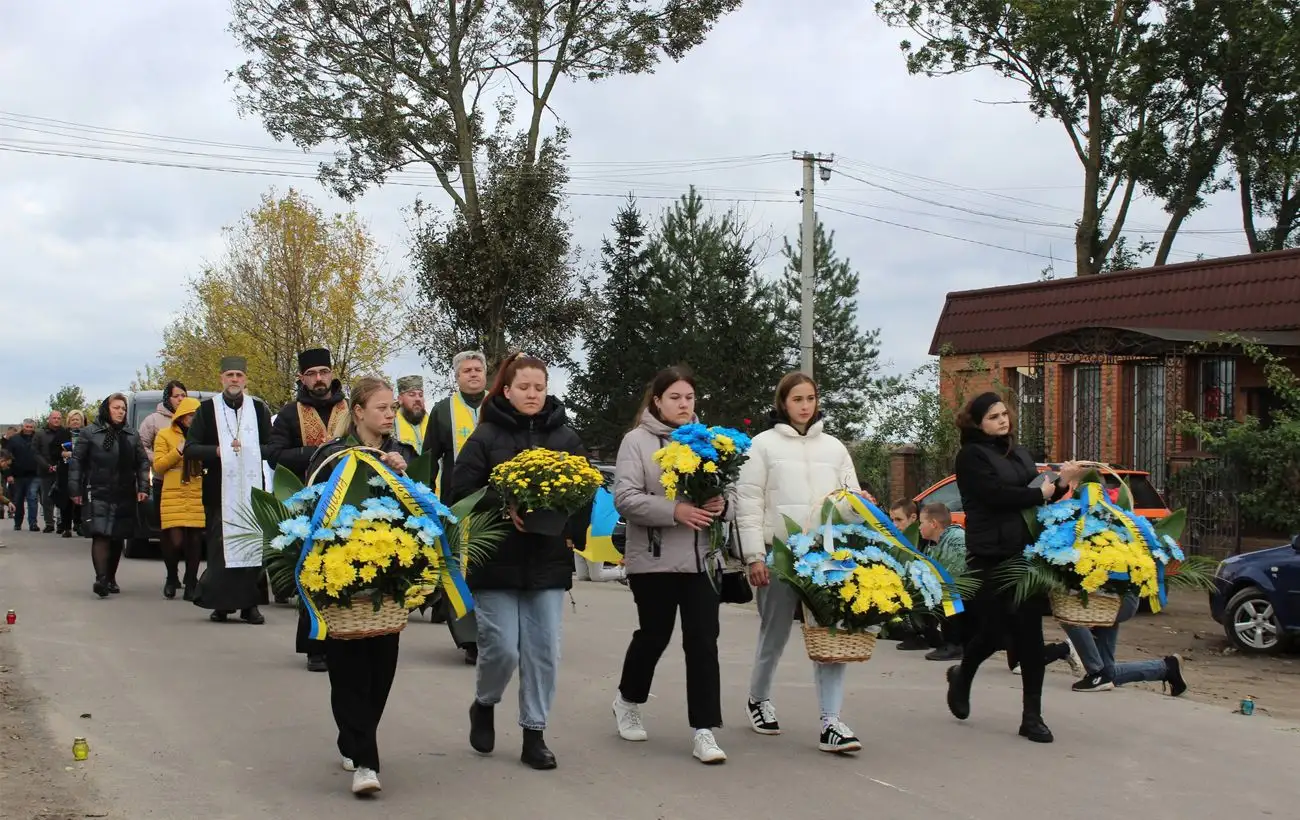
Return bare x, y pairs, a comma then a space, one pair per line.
1085, 412
1148, 408
1217, 388
1027, 390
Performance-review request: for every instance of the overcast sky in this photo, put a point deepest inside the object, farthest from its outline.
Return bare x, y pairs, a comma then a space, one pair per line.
94, 255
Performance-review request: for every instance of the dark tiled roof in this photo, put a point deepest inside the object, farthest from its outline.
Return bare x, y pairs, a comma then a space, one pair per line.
1259, 292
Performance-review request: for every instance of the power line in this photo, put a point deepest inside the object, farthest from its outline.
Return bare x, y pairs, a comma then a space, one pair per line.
939, 233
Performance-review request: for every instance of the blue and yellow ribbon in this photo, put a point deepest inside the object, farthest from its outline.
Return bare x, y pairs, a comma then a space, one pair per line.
1091, 494
876, 519
414, 500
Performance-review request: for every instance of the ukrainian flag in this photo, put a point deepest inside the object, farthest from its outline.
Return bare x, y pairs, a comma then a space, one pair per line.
600, 534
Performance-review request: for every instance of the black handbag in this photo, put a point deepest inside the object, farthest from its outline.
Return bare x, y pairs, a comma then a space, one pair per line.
733, 588
733, 579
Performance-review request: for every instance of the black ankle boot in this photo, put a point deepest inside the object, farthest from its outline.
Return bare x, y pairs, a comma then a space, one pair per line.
958, 693
188, 595
113, 587
1033, 728
482, 732
100, 587
535, 753
169, 587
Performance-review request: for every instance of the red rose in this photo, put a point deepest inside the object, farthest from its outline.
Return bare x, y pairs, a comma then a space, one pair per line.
746, 422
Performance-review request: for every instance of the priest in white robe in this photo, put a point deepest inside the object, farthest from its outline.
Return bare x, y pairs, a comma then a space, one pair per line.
229, 435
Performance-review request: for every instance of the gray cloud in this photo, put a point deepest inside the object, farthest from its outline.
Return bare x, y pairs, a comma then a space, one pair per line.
93, 255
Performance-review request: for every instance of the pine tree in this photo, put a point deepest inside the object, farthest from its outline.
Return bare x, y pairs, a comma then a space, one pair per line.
604, 394
710, 310
845, 358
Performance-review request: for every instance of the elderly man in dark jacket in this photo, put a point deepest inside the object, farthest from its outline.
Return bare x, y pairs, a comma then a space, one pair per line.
318, 415
24, 474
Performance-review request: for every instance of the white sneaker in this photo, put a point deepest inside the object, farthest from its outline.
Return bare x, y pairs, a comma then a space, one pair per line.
628, 716
707, 749
837, 738
348, 765
365, 781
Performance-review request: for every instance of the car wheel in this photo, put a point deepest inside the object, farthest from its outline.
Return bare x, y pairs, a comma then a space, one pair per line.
1251, 623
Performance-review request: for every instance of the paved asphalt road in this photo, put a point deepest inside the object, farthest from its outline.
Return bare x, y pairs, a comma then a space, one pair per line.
199, 720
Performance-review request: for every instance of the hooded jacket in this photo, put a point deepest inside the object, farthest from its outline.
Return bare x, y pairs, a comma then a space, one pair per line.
788, 474
181, 504
522, 560
993, 476
159, 419
655, 541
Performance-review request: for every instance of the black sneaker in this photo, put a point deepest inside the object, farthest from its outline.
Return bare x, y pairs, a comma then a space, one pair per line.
1033, 728
951, 652
838, 739
1174, 675
49, 528
762, 717
317, 663
1093, 683
913, 644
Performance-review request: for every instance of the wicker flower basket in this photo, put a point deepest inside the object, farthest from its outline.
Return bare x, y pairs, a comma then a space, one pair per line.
362, 621
1102, 609
825, 646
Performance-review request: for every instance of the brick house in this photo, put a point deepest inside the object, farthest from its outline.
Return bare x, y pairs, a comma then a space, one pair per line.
1100, 367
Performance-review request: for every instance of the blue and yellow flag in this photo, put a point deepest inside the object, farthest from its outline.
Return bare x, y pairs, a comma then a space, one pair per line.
600, 533
876, 519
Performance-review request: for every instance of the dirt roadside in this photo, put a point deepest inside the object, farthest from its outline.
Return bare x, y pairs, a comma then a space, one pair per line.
38, 778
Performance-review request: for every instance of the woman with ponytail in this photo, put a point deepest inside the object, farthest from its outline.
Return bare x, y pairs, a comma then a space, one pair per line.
519, 590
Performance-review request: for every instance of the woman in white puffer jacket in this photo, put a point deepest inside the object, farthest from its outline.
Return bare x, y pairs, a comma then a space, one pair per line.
792, 468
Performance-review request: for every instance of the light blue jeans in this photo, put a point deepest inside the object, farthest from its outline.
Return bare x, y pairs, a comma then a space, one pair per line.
1096, 648
519, 629
776, 607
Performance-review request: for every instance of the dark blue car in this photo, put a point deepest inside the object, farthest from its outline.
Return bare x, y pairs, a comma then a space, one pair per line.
1257, 598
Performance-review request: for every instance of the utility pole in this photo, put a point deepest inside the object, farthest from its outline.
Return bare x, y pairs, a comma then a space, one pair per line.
808, 273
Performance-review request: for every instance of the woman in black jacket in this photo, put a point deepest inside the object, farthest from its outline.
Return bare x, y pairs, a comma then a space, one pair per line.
519, 590
109, 471
994, 476
361, 670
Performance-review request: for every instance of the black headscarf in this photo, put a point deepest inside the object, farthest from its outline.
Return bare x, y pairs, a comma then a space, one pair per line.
112, 435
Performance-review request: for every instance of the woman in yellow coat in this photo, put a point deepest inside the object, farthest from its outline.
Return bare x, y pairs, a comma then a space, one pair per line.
181, 505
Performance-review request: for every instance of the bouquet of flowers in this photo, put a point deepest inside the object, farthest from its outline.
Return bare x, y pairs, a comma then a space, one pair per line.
546, 487
853, 578
698, 464
367, 534
1092, 550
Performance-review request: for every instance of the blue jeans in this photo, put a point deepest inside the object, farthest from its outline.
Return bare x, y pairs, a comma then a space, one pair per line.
776, 606
1097, 650
27, 493
519, 629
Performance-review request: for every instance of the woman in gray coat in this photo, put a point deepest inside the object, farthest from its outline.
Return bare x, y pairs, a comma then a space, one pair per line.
110, 472
666, 569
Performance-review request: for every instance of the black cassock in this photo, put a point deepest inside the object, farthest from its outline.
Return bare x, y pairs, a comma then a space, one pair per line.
222, 589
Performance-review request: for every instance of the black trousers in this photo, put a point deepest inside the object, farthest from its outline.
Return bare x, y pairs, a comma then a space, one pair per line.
659, 596
997, 623
304, 645
361, 676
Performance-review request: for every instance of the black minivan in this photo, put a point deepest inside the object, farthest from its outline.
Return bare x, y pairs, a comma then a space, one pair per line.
139, 406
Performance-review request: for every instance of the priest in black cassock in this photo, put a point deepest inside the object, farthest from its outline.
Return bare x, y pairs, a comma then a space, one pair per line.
229, 434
